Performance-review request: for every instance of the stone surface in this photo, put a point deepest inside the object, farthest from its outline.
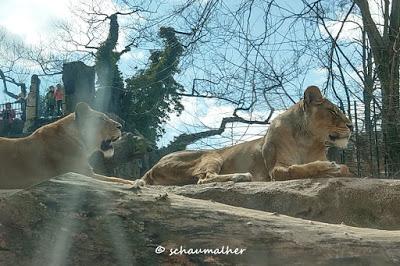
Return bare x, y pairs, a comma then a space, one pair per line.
75, 220
358, 202
7, 192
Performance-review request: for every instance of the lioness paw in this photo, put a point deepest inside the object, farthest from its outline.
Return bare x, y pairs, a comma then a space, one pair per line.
329, 168
242, 177
137, 184
345, 171
333, 168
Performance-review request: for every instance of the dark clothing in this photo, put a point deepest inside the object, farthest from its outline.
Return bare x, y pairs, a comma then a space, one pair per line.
8, 115
50, 103
50, 98
59, 107
50, 109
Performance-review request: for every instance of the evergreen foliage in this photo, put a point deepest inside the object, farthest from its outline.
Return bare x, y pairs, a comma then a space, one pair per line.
152, 94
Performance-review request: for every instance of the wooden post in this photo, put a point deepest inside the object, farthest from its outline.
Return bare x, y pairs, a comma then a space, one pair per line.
32, 103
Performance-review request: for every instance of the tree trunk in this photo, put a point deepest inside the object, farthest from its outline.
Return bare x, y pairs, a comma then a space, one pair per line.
368, 84
109, 95
385, 50
390, 119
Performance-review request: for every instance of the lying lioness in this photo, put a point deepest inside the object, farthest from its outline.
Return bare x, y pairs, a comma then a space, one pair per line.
294, 147
57, 148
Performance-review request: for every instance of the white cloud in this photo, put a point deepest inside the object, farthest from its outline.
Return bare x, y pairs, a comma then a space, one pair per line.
351, 29
31, 19
34, 20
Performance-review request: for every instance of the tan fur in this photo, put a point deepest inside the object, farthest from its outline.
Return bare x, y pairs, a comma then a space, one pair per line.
293, 148
57, 148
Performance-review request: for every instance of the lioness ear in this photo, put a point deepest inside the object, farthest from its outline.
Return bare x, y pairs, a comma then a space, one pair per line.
313, 96
81, 110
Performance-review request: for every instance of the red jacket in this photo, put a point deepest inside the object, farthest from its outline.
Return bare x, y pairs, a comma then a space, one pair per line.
58, 94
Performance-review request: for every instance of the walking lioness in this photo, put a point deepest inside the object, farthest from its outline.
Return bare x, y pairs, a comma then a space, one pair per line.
294, 147
57, 148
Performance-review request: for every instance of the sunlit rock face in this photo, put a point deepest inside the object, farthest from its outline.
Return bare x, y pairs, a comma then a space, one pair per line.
76, 220
360, 202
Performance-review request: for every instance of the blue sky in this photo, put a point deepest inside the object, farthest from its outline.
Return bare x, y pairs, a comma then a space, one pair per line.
33, 21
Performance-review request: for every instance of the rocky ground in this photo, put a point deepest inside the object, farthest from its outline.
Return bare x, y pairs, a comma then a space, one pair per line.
360, 202
75, 220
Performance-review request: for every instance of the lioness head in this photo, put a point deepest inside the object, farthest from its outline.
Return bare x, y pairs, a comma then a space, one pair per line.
96, 129
325, 120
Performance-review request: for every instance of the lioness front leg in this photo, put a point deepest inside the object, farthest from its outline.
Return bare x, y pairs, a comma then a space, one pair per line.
213, 177
133, 183
88, 171
309, 170
112, 179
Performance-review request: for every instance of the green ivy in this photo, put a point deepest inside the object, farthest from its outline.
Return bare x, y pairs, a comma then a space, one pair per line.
152, 94
109, 78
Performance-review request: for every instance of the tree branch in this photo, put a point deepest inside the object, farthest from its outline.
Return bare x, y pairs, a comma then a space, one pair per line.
11, 80
182, 141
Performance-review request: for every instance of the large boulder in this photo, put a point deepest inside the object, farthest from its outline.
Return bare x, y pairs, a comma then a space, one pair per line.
76, 220
362, 202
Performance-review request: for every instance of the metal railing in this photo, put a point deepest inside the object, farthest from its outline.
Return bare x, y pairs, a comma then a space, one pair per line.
16, 106
366, 154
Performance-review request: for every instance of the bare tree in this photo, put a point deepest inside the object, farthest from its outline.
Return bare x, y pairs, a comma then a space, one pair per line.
385, 48
377, 53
